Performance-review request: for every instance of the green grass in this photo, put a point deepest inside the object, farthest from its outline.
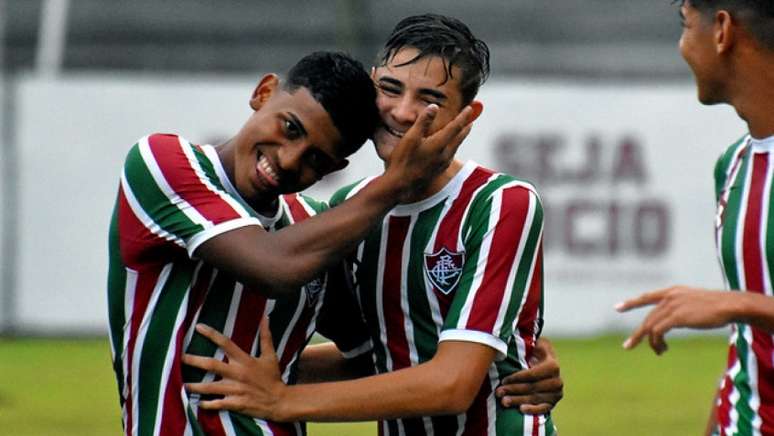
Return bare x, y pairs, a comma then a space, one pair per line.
66, 387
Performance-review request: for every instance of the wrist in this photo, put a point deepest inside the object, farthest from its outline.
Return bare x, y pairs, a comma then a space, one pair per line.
387, 189
282, 409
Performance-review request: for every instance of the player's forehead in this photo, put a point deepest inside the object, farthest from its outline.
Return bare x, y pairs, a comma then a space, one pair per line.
415, 71
300, 106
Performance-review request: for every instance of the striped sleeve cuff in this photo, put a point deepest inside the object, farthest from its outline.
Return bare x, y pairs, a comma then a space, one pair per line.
476, 336
216, 230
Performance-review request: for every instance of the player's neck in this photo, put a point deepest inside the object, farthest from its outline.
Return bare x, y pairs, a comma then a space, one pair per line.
754, 98
439, 182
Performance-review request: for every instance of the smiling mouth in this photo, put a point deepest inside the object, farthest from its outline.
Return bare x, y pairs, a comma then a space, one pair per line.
266, 171
392, 131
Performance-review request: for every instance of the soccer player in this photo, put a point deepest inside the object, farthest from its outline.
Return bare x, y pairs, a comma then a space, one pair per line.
201, 234
449, 284
729, 45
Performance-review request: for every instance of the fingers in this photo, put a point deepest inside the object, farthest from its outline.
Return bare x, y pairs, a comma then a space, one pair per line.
212, 388
645, 299
267, 343
422, 124
453, 133
552, 386
231, 349
208, 364
532, 400
542, 370
540, 409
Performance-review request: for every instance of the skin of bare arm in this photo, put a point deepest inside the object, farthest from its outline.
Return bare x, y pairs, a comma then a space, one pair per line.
535, 390
683, 306
447, 384
276, 262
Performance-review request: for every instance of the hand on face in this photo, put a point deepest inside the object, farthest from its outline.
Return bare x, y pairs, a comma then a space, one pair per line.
248, 385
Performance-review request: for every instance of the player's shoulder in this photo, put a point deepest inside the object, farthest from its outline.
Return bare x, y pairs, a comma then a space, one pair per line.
727, 158
498, 183
732, 151
159, 146
347, 191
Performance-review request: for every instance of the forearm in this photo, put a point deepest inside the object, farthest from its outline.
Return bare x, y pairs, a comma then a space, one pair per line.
275, 263
324, 362
416, 391
754, 309
319, 242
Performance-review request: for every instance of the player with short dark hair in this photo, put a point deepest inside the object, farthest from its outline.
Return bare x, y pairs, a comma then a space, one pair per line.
202, 233
450, 282
729, 45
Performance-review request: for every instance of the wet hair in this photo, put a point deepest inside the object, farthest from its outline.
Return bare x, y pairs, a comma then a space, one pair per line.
445, 37
756, 15
344, 89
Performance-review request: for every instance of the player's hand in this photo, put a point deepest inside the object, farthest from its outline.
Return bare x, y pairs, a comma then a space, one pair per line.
535, 390
419, 156
678, 306
248, 385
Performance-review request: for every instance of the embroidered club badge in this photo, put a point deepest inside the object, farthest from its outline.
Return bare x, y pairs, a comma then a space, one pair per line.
444, 269
314, 288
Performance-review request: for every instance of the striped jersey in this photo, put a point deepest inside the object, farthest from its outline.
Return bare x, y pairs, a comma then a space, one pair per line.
173, 196
464, 264
743, 182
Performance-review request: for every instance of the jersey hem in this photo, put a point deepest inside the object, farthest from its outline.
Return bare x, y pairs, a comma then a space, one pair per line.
479, 337
223, 227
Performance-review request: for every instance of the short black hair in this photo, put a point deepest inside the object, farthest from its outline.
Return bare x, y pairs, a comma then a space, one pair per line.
447, 38
756, 15
344, 89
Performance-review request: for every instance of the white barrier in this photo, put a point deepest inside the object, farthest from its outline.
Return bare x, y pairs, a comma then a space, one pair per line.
625, 173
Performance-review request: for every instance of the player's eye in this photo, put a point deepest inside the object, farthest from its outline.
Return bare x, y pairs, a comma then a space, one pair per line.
389, 90
292, 130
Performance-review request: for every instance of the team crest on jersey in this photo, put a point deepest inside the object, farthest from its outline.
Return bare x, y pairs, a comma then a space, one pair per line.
444, 269
314, 288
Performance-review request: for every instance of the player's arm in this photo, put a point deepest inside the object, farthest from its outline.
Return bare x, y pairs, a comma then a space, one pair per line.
446, 384
683, 306
537, 389
276, 261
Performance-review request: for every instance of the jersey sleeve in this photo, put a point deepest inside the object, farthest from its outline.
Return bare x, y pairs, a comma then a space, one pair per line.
174, 195
340, 318
501, 286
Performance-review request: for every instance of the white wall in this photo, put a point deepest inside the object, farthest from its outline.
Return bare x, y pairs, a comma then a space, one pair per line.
654, 145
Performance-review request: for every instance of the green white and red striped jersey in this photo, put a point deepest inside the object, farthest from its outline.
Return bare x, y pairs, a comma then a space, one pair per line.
745, 216
464, 264
173, 196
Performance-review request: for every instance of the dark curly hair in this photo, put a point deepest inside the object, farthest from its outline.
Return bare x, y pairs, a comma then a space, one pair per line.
344, 89
448, 38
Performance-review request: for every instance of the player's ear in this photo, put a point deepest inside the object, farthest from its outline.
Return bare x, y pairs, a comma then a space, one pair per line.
264, 90
477, 107
723, 30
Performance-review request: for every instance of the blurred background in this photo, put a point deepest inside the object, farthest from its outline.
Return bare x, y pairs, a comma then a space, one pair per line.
589, 100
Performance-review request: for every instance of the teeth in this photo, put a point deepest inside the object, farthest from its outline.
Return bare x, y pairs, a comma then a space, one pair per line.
393, 131
268, 170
